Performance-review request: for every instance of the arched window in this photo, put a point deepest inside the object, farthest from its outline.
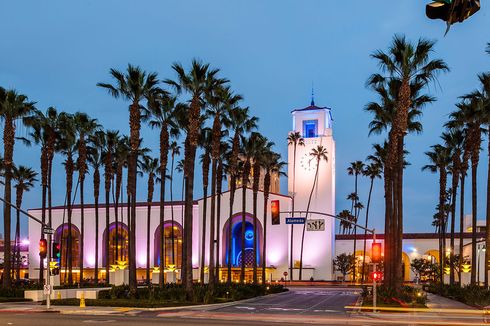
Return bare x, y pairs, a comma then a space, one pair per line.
118, 243
237, 254
61, 236
174, 258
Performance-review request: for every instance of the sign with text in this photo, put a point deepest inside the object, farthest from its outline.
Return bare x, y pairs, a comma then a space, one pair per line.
315, 225
295, 220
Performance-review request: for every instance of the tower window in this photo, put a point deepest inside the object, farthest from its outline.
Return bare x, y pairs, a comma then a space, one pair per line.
310, 128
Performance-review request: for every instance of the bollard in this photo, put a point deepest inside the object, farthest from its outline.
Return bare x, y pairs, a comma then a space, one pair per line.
82, 300
58, 296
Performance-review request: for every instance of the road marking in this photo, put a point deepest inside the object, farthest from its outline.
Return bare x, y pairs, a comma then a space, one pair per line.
97, 321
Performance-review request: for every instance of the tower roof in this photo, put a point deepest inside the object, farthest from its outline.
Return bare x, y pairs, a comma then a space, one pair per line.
312, 107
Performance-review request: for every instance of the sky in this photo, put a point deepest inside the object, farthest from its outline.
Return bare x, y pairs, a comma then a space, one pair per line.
273, 51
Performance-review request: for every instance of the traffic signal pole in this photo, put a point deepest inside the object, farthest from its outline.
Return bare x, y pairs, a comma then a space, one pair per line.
49, 232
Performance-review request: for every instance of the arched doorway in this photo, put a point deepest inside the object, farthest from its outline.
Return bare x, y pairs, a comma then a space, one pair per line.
61, 236
170, 232
237, 254
433, 256
118, 243
406, 267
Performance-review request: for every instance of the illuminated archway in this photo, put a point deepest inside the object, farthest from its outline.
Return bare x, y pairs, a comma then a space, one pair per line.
433, 255
237, 254
406, 267
169, 231
61, 236
118, 243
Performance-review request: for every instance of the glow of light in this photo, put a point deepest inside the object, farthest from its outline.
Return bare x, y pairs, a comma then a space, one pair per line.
90, 259
273, 257
25, 242
142, 260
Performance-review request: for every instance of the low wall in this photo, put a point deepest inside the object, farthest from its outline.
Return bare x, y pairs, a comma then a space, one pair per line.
89, 293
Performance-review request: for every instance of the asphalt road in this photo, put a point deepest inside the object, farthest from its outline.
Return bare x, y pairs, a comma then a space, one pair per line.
299, 306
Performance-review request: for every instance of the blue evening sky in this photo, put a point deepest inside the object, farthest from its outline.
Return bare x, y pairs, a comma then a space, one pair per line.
272, 51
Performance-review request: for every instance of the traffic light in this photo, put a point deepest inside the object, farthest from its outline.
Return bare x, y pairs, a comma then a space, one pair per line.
377, 276
275, 212
376, 252
43, 248
452, 11
56, 251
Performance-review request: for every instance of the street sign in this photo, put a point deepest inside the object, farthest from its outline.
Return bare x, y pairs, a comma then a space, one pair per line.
47, 230
295, 220
47, 289
315, 225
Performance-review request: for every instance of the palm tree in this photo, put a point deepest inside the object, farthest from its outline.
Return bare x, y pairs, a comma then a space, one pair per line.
471, 116
161, 108
13, 106
346, 217
221, 101
319, 154
95, 150
273, 165
240, 123
24, 178
409, 69
151, 168
205, 143
84, 127
355, 169
174, 151
135, 85
198, 82
372, 171
68, 147
45, 132
453, 140
220, 175
294, 139
111, 139
440, 159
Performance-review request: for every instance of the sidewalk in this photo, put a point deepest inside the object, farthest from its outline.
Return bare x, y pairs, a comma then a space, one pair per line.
435, 301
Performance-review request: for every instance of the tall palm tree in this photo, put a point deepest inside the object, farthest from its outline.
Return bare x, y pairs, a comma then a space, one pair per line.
471, 116
13, 106
246, 152
197, 82
482, 99
355, 169
261, 147
151, 168
346, 217
111, 139
205, 143
220, 175
294, 139
411, 69
84, 127
161, 107
44, 132
440, 159
453, 140
318, 154
24, 181
372, 171
241, 123
221, 101
134, 85
68, 147
95, 149
174, 151
272, 164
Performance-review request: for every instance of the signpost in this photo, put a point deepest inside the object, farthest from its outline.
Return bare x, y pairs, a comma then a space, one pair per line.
295, 220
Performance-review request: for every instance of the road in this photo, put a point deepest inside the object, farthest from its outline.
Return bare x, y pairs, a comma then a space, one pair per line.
296, 307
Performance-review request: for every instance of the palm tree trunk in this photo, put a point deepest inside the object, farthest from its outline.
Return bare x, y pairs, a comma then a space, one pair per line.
461, 228
487, 229
8, 138
291, 257
108, 237
212, 226
365, 230
190, 159
96, 204
82, 227
183, 266
172, 209
17, 233
454, 190
219, 184
69, 181
388, 256
255, 238
148, 222
306, 217
355, 228
203, 240
161, 275
264, 245
244, 203
474, 168
230, 225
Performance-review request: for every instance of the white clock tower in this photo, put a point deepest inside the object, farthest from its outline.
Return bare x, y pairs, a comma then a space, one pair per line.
315, 126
